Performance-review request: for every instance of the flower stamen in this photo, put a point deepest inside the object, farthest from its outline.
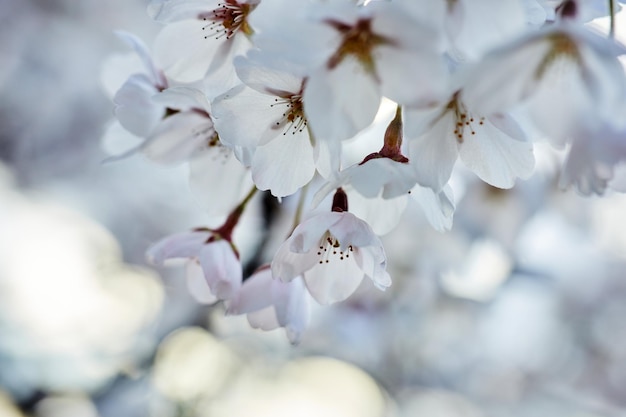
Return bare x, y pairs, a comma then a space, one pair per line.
229, 18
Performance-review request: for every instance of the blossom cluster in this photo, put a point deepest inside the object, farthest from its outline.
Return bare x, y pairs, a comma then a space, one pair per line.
270, 94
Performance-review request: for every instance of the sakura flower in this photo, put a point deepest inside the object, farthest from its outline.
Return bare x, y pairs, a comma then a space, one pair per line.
333, 252
357, 54
270, 303
565, 77
266, 115
201, 38
216, 256
493, 146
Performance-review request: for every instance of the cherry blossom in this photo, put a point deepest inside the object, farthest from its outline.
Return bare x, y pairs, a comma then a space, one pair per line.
216, 256
266, 115
333, 251
492, 146
201, 38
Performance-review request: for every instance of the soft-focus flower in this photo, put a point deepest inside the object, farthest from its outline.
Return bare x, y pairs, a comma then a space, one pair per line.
564, 75
333, 252
362, 53
266, 115
216, 256
271, 303
201, 38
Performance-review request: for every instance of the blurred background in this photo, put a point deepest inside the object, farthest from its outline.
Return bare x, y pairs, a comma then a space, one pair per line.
518, 311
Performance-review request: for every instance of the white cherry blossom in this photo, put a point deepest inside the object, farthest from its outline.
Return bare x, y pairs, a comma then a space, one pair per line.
493, 146
201, 38
266, 115
565, 76
333, 251
216, 256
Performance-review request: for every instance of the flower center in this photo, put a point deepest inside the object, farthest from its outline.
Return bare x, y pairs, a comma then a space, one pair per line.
463, 119
330, 249
293, 119
228, 19
358, 41
562, 46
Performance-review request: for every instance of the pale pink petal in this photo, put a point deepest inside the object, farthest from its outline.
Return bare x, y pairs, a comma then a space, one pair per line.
134, 106
438, 207
261, 76
382, 214
222, 269
287, 265
256, 293
156, 76
180, 245
371, 260
350, 230
197, 285
309, 233
264, 319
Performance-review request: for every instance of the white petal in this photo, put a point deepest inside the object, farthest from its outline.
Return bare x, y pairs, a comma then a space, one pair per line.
218, 180
411, 77
166, 11
134, 106
179, 137
264, 79
334, 281
341, 102
494, 156
371, 260
264, 319
438, 207
183, 52
197, 285
434, 153
156, 76
245, 117
350, 230
256, 293
308, 233
222, 269
382, 214
292, 307
381, 176
287, 153
180, 245
183, 98
287, 265
119, 141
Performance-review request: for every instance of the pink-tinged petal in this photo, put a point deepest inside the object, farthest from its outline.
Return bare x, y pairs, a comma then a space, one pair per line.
382, 214
333, 281
265, 78
166, 11
156, 76
179, 137
245, 117
292, 308
134, 106
180, 245
342, 101
218, 180
197, 285
495, 157
438, 207
411, 77
257, 293
287, 153
222, 269
434, 154
287, 265
183, 52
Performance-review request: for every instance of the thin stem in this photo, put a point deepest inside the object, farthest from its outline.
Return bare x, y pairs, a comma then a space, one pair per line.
225, 231
298, 215
612, 16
